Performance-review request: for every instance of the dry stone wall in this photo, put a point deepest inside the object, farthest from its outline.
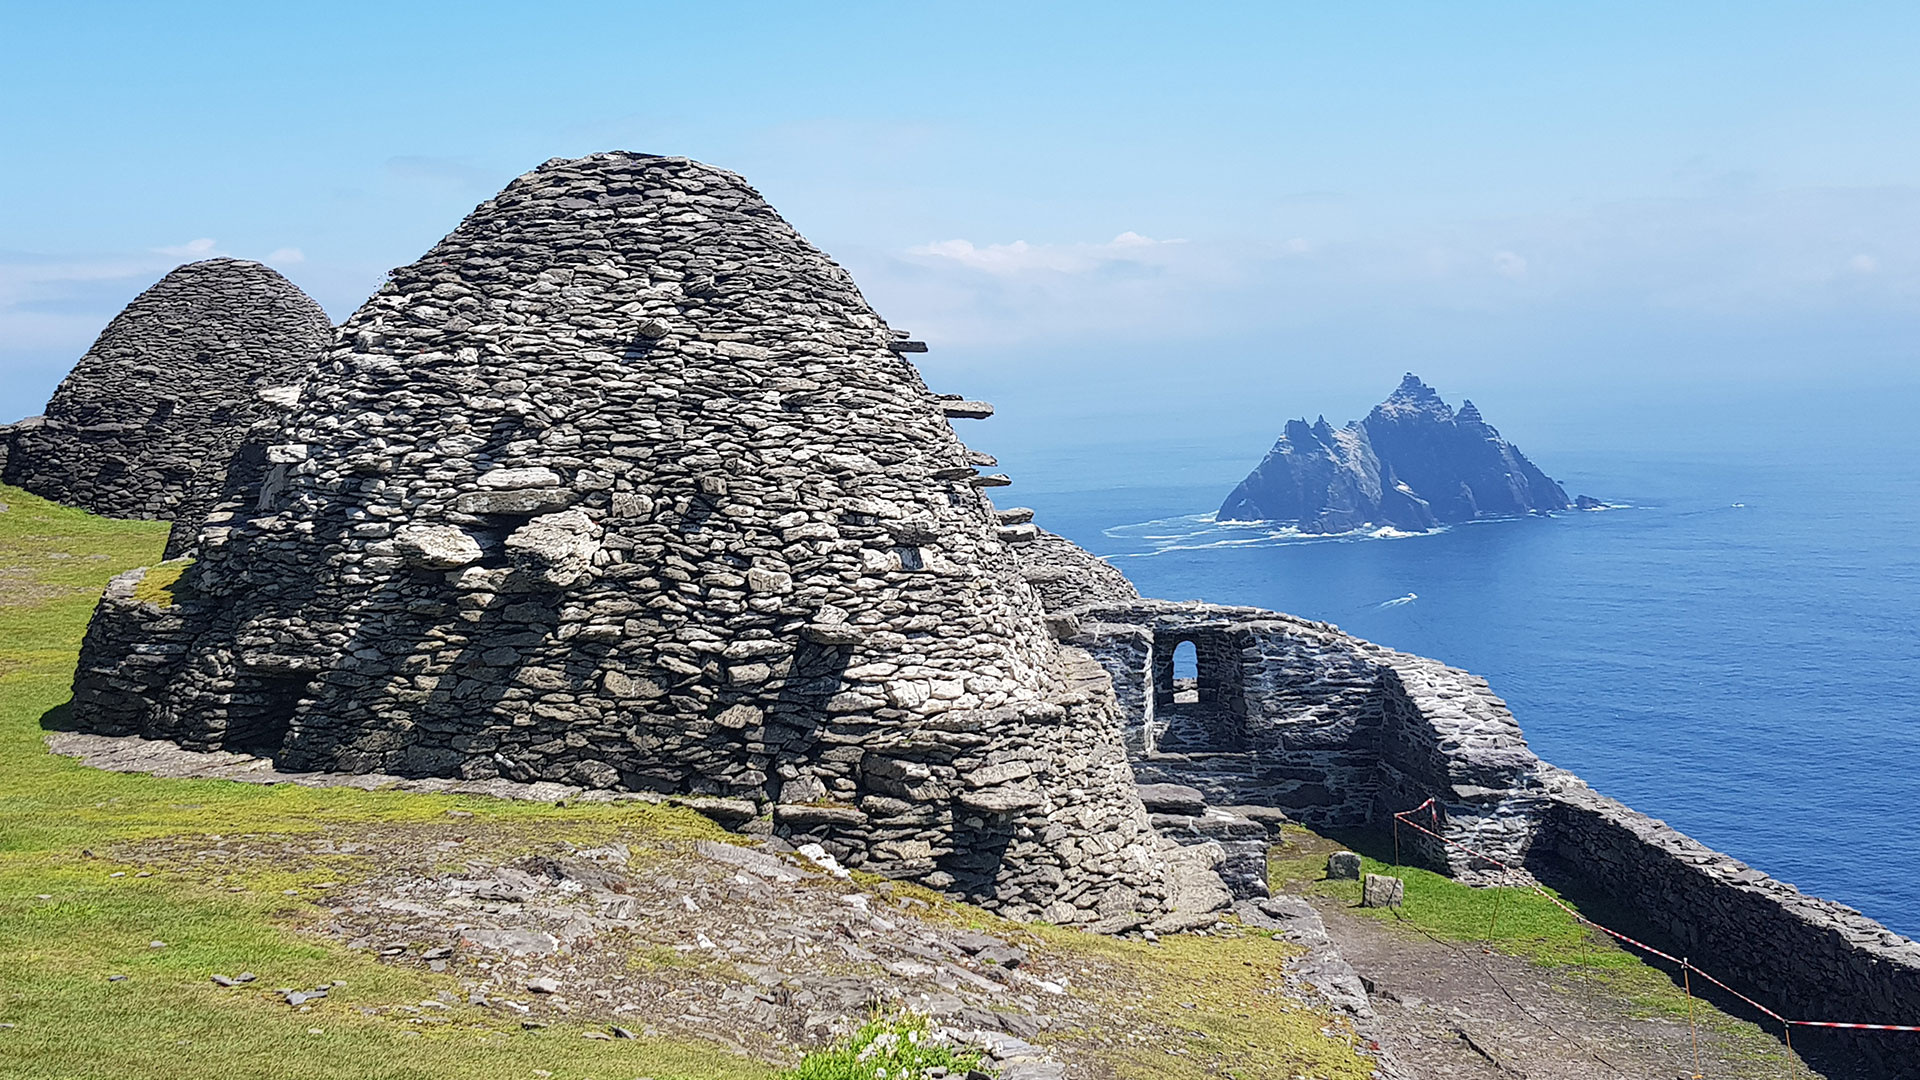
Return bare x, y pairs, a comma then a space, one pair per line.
1336, 731
144, 424
624, 485
1066, 575
1804, 957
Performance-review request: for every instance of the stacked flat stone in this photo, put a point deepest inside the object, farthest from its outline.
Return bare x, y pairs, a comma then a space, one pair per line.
144, 424
623, 484
1068, 576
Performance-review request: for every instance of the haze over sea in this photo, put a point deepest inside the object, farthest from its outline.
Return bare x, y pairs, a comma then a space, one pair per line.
1734, 650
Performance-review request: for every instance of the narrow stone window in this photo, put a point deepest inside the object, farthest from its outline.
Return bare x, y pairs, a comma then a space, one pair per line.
910, 558
1186, 673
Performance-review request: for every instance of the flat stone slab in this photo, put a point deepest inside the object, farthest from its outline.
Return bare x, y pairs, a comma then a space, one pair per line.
1172, 799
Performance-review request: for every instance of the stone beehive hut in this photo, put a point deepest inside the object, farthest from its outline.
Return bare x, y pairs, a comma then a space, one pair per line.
144, 424
623, 484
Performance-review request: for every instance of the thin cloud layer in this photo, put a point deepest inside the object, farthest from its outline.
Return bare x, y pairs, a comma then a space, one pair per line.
203, 248
1020, 257
1701, 259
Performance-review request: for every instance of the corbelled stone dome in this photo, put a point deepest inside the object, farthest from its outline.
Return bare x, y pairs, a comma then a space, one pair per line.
623, 484
144, 424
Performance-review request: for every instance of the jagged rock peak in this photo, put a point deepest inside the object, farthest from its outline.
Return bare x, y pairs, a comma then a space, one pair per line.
1412, 398
1412, 464
143, 425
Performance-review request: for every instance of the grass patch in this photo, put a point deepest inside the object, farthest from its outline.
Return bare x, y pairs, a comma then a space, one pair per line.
157, 586
1224, 995
1515, 921
1518, 921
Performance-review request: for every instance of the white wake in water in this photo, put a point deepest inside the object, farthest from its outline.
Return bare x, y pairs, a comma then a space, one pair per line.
1399, 600
1201, 532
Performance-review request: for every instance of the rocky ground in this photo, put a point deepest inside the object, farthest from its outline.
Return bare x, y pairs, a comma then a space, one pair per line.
755, 946
1455, 1011
763, 949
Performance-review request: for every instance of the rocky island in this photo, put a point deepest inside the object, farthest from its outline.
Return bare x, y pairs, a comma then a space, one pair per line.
1412, 464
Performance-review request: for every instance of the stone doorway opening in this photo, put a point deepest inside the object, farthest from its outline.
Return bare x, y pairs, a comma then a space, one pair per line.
261, 715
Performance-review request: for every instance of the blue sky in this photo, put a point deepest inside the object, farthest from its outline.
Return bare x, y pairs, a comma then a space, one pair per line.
1116, 220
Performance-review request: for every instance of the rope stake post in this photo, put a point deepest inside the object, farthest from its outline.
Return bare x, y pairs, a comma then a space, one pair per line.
1686, 982
1396, 843
1497, 896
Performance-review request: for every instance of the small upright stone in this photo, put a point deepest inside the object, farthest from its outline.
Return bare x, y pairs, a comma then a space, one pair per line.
1343, 866
1382, 891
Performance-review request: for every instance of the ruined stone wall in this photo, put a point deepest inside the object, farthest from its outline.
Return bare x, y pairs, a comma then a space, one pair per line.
1804, 957
1341, 732
1310, 704
144, 424
624, 485
1334, 730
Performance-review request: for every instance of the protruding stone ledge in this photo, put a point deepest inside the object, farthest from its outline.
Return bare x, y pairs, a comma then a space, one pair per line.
907, 345
966, 410
1019, 534
992, 480
1015, 515
807, 815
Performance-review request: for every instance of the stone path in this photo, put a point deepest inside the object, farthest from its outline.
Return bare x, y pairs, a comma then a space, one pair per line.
1452, 1011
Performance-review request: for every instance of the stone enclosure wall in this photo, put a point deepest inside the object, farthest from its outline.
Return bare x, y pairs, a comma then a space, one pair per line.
1296, 715
1804, 957
1339, 732
144, 424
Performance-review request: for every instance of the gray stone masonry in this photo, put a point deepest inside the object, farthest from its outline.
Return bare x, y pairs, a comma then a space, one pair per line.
623, 485
1333, 730
144, 424
1064, 574
1804, 957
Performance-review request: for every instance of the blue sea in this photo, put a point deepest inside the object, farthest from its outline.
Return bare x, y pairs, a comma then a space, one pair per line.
1733, 648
